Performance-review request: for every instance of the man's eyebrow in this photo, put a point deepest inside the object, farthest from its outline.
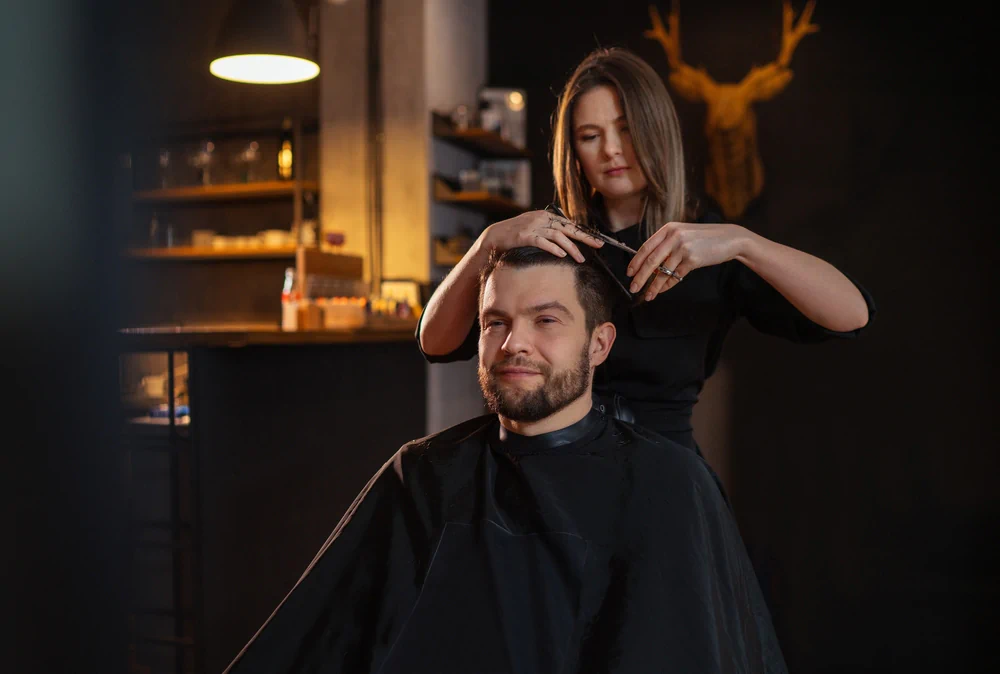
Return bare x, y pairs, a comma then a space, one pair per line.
554, 305
490, 311
558, 306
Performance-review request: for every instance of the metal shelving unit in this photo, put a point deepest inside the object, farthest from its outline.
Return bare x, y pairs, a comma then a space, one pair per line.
176, 625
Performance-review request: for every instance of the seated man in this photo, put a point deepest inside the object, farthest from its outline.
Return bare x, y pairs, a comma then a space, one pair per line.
545, 537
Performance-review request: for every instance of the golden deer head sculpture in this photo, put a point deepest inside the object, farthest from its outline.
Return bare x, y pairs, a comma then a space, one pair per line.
734, 175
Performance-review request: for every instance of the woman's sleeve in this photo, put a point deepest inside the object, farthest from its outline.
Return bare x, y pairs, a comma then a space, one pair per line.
465, 351
769, 312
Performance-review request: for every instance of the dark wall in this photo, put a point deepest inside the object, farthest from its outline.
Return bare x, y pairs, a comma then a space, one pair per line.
862, 472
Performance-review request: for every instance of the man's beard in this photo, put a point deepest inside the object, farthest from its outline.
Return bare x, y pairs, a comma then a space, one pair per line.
556, 392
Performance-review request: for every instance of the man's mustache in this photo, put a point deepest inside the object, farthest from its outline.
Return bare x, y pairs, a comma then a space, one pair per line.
518, 362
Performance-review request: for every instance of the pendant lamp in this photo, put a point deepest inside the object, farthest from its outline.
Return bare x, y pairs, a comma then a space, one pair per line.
263, 42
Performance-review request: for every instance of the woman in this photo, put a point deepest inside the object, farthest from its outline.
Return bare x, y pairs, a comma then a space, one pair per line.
618, 166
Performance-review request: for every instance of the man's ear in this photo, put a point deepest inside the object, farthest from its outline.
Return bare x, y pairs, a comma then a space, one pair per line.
601, 341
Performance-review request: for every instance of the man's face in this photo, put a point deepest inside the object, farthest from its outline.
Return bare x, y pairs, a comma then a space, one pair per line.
534, 346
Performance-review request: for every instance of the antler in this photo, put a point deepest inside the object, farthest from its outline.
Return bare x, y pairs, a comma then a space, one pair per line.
763, 82
693, 84
671, 41
790, 35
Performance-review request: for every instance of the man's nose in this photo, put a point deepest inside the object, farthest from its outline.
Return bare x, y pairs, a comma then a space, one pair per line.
518, 339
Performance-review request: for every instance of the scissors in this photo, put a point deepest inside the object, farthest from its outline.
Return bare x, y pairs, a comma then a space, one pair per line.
598, 234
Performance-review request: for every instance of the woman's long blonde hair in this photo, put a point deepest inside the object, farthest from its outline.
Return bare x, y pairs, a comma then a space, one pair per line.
653, 126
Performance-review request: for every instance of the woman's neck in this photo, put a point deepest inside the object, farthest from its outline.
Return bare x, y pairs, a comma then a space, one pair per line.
624, 212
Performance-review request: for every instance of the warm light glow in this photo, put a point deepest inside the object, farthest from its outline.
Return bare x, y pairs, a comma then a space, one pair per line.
515, 101
264, 69
285, 160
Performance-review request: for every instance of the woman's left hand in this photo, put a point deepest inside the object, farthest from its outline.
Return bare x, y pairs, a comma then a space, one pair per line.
683, 247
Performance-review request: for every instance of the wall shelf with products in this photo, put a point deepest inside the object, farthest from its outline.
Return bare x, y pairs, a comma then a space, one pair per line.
479, 200
187, 177
481, 168
217, 155
224, 192
486, 144
220, 210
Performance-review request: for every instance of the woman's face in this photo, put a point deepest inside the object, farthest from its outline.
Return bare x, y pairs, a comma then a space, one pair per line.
603, 145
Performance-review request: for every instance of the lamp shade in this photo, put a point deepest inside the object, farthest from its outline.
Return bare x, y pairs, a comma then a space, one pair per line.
263, 42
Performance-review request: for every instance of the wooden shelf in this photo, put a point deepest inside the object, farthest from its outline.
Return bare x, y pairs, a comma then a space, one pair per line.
223, 192
308, 261
204, 253
486, 144
483, 202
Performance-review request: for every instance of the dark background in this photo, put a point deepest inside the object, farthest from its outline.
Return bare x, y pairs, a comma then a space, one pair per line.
863, 473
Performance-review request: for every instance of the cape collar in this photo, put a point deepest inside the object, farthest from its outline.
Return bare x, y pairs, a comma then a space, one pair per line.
513, 443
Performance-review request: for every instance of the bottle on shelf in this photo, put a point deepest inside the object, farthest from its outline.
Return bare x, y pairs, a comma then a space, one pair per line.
289, 302
202, 159
489, 117
286, 149
247, 159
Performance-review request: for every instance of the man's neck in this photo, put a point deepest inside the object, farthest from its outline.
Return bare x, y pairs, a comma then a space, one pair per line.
564, 418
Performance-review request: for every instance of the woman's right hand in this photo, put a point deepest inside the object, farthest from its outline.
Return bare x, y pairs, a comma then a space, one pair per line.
540, 229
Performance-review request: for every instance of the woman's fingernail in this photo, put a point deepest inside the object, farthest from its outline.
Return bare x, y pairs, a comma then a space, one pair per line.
632, 288
649, 296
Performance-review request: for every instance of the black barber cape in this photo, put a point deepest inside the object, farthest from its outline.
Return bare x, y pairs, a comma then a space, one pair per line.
597, 548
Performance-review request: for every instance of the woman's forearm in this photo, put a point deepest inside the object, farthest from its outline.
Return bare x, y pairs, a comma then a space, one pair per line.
815, 287
454, 305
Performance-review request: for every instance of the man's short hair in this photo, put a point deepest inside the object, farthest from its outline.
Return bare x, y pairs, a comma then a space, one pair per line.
596, 289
